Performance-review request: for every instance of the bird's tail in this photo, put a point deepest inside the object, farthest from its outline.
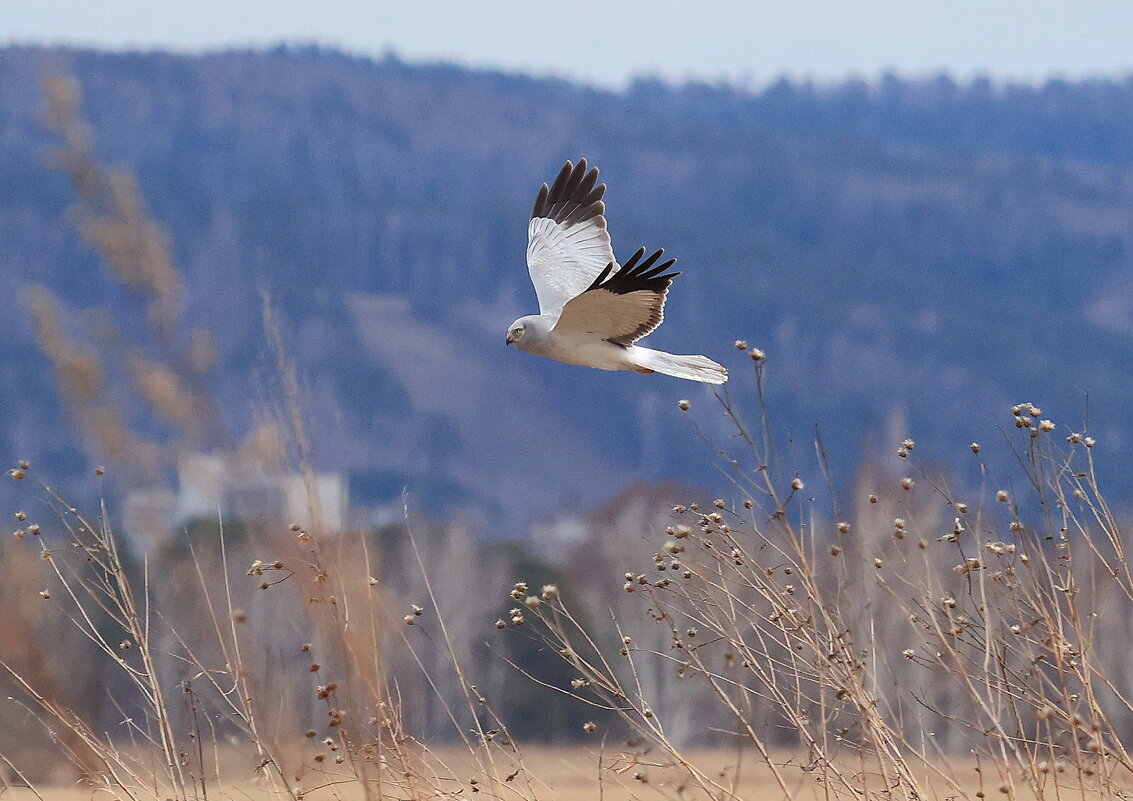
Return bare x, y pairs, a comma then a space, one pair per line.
694, 368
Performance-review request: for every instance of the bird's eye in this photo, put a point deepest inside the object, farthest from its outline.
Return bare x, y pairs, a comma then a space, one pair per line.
516, 332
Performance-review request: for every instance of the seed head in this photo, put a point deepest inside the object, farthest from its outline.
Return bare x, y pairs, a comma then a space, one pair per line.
1001, 496
872, 498
1089, 442
906, 483
908, 653
975, 447
590, 727
757, 355
684, 405
741, 345
1074, 438
100, 471
843, 527
908, 444
549, 591
797, 484
21, 516
1046, 425
501, 624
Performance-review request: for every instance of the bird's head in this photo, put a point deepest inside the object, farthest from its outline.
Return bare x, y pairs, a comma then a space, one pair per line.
525, 331
515, 331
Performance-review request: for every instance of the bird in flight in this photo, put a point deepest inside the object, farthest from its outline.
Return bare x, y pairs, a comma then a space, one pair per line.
591, 310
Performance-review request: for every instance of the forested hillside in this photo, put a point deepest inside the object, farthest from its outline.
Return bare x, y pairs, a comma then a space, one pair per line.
915, 247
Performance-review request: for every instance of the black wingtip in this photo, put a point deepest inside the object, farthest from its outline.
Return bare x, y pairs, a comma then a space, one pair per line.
636, 277
574, 196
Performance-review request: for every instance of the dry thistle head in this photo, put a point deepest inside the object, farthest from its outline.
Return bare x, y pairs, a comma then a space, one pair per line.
590, 727
1001, 496
797, 484
974, 447
684, 405
757, 355
741, 345
906, 483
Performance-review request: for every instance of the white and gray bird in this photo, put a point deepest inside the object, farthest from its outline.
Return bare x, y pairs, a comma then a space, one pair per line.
591, 310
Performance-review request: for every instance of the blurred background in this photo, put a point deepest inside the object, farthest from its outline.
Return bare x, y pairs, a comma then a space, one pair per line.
258, 259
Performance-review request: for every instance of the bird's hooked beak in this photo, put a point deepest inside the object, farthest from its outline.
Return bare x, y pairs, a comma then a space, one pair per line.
509, 338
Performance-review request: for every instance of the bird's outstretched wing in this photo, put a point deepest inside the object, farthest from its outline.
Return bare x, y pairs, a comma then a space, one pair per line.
622, 306
567, 241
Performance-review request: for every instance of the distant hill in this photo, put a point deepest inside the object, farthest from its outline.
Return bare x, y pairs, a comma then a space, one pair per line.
941, 249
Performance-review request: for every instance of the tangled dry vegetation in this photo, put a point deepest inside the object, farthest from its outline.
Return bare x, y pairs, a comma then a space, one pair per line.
933, 644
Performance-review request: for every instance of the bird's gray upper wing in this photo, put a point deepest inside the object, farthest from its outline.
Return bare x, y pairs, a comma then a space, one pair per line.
567, 241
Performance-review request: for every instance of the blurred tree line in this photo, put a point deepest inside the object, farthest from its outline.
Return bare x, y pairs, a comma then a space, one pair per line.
939, 247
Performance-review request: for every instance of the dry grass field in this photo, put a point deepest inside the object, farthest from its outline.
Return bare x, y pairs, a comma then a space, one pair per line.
572, 774
927, 647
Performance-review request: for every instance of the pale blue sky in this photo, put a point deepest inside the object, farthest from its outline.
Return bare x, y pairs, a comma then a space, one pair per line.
610, 42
